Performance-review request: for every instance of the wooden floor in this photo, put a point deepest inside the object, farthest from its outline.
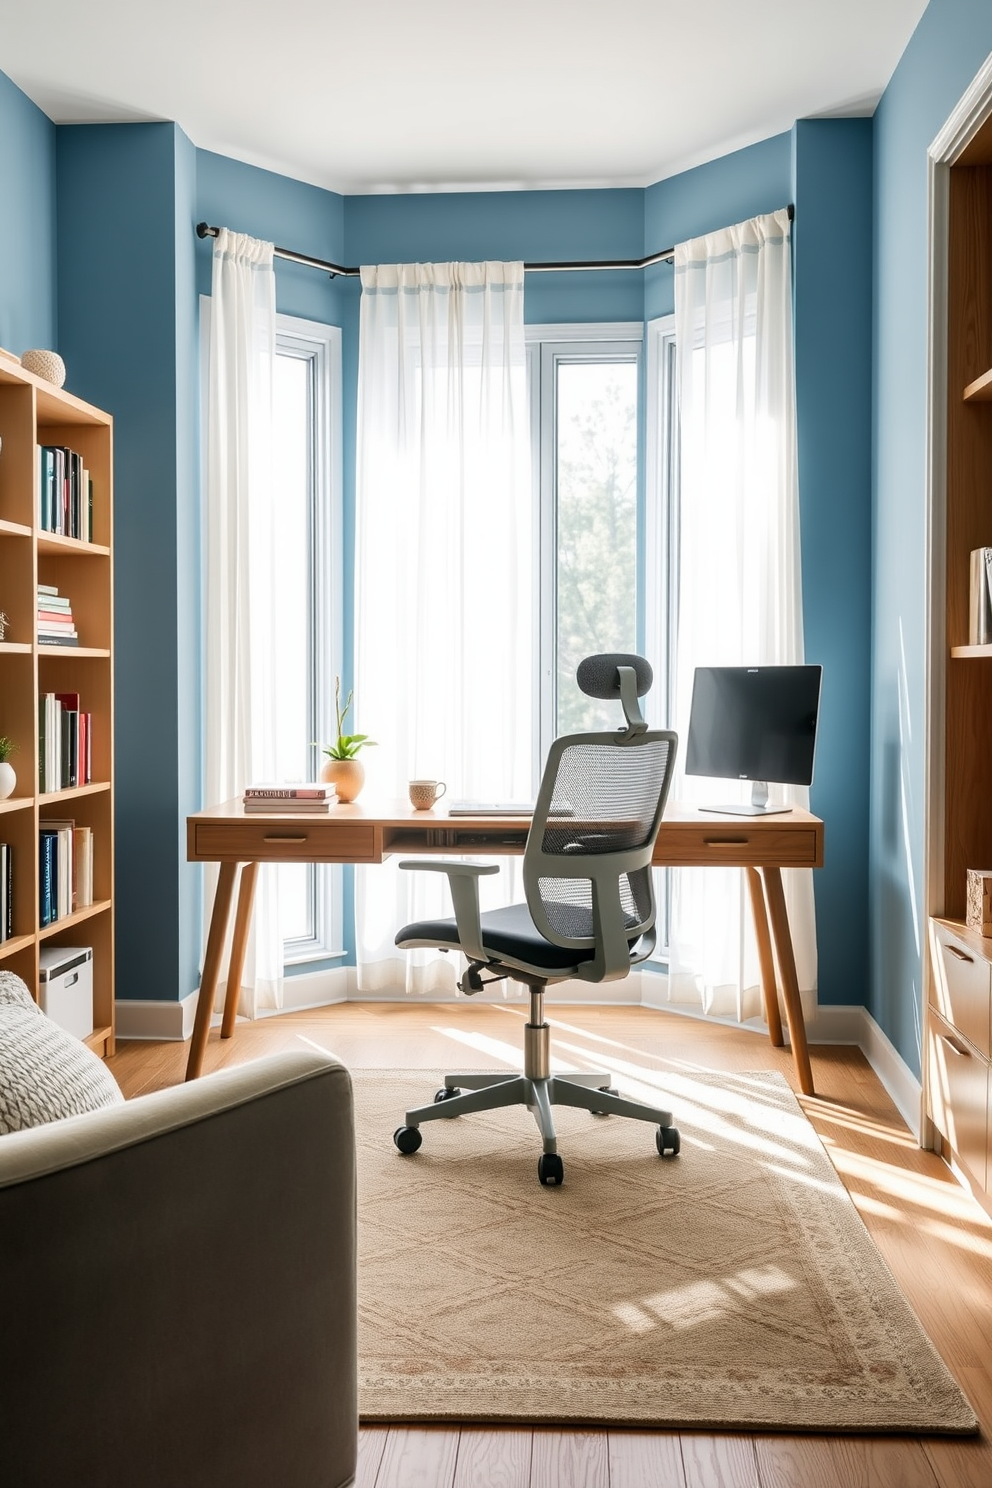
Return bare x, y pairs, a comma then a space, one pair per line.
935, 1238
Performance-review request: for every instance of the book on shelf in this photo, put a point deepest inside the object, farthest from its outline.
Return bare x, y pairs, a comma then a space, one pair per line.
6, 891
57, 876
56, 626
64, 742
65, 500
82, 847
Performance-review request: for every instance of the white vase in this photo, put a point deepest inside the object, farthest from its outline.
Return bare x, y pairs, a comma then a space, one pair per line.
7, 780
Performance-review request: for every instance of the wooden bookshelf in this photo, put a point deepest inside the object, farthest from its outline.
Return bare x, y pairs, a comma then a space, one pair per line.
957, 1052
33, 413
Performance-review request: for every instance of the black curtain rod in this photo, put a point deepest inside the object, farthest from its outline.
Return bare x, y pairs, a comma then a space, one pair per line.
204, 230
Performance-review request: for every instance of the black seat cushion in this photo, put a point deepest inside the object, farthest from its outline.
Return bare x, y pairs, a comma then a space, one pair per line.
505, 932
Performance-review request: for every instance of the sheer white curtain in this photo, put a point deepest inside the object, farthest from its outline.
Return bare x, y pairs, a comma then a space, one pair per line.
240, 581
739, 596
444, 585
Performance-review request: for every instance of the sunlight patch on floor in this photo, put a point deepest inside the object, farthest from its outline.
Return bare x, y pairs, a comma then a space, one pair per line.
932, 1193
702, 1301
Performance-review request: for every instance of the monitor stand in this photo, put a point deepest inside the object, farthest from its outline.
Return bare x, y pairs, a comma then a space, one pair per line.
758, 805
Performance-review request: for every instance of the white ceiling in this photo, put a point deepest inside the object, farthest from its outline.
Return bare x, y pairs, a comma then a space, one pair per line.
455, 95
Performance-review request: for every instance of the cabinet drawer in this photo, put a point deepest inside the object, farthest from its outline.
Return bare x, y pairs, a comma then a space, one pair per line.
686, 844
282, 840
958, 1086
961, 985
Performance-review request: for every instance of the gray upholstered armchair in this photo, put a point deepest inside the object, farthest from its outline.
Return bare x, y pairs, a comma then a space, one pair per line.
177, 1287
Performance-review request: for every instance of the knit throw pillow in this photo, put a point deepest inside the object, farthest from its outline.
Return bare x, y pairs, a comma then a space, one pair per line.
45, 1073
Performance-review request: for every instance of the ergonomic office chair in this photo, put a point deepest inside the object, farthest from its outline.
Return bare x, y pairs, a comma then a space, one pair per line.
590, 910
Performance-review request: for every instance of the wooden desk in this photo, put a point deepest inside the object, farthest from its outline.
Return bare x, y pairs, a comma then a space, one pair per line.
368, 833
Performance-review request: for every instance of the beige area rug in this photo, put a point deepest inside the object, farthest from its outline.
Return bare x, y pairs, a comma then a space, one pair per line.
734, 1286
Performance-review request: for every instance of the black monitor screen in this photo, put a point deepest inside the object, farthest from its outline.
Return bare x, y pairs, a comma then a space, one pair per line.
754, 723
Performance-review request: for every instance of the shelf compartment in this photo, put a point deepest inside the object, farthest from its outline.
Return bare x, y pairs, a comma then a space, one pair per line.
16, 803
61, 547
78, 917
973, 653
98, 1039
13, 529
980, 391
72, 793
19, 461
14, 944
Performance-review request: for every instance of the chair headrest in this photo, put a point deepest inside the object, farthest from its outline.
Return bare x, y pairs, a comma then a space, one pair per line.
599, 677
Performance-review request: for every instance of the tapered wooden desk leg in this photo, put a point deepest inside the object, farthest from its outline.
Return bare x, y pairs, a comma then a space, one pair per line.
785, 955
766, 961
239, 942
211, 968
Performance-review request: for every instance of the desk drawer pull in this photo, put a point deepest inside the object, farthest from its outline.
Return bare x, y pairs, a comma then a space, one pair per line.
283, 837
961, 955
726, 841
953, 1045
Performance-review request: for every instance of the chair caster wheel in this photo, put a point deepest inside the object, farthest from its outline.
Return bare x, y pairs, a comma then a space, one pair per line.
667, 1140
606, 1090
445, 1094
550, 1169
407, 1138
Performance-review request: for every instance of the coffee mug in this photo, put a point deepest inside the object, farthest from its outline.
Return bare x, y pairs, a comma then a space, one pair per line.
423, 793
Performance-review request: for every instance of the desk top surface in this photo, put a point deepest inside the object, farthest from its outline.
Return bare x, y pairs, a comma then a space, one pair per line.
386, 813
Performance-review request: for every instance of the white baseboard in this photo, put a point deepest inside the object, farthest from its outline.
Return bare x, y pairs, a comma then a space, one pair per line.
167, 1021
162, 1021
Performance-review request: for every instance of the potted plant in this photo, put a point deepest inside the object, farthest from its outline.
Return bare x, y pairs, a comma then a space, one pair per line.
342, 766
7, 777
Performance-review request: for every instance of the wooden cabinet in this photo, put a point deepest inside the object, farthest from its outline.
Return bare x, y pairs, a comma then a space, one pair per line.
34, 413
958, 1025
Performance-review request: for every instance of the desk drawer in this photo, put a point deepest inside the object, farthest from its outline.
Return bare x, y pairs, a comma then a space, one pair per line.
276, 840
691, 844
961, 985
958, 1085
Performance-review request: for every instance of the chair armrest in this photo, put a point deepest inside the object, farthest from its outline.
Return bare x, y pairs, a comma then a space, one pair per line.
179, 1298
463, 881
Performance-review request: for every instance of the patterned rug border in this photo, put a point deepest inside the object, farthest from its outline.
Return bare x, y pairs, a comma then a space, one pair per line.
447, 1396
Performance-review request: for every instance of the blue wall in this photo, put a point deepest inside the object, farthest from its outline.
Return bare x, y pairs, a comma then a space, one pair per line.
832, 165
950, 44
125, 278
28, 315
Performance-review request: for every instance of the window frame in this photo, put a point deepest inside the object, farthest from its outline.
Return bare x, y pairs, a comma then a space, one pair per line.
320, 345
548, 346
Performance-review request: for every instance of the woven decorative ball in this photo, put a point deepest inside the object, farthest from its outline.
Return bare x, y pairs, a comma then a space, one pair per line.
46, 364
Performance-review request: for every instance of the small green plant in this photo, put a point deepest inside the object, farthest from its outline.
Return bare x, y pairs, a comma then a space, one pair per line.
347, 745
7, 748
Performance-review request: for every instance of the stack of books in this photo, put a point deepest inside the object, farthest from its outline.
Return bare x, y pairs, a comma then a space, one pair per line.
6, 891
65, 735
56, 626
310, 799
65, 493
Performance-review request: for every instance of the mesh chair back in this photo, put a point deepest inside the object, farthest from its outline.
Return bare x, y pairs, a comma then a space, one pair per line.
593, 833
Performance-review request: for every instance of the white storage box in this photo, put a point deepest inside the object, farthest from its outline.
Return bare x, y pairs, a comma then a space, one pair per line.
66, 987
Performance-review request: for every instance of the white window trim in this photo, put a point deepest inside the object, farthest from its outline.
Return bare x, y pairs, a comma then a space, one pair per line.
324, 343
661, 509
545, 345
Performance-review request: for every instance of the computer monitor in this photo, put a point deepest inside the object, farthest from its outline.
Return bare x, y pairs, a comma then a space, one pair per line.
754, 723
